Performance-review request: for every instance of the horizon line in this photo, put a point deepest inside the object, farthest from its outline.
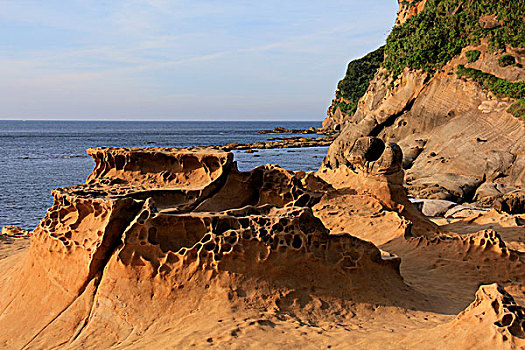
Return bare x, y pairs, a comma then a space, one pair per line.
155, 120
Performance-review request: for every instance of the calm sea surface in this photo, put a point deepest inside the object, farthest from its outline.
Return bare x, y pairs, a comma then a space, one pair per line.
38, 156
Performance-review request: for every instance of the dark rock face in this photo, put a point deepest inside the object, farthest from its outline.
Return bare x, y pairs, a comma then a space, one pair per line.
513, 203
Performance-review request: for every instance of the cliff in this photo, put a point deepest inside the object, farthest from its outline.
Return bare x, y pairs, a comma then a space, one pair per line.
449, 93
351, 88
360, 72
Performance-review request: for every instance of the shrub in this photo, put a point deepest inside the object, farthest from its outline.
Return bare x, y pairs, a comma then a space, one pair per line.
500, 87
358, 75
409, 4
518, 109
506, 60
346, 108
472, 55
431, 39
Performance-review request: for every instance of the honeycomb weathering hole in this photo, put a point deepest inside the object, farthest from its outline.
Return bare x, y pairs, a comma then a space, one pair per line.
375, 150
174, 233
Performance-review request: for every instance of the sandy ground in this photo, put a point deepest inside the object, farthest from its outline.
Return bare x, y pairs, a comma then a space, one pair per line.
440, 274
10, 246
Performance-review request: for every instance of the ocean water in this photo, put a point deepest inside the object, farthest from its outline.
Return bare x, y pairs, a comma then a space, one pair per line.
38, 156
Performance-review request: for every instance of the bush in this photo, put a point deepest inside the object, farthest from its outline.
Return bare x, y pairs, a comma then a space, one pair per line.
355, 83
445, 27
506, 60
472, 55
518, 109
500, 87
409, 4
344, 107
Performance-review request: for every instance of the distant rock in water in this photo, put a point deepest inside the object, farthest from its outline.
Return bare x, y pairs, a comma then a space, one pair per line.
14, 231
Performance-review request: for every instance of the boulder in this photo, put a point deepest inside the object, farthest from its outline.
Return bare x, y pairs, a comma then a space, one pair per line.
463, 211
436, 207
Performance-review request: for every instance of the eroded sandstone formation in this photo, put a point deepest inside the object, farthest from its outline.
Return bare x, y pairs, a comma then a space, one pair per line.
168, 247
461, 141
162, 217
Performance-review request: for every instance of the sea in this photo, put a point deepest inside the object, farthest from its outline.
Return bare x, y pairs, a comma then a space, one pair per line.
38, 156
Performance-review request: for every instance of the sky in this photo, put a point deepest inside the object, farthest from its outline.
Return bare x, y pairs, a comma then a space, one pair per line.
181, 60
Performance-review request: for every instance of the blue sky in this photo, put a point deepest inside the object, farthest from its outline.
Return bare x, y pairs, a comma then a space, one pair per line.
181, 60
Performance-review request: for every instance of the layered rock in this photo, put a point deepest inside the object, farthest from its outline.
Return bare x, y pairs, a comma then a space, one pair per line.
351, 88
493, 310
14, 231
460, 141
166, 248
369, 166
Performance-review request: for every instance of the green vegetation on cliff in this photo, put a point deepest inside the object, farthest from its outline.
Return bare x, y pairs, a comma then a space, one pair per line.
409, 4
518, 109
358, 74
500, 87
432, 38
506, 60
472, 55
